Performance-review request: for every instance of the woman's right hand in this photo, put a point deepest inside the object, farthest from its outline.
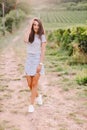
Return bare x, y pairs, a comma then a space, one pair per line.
39, 68
26, 37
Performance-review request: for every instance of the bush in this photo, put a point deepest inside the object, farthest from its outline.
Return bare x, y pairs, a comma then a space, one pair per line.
83, 46
68, 36
73, 40
70, 49
8, 23
2, 29
50, 37
82, 80
78, 56
14, 17
66, 39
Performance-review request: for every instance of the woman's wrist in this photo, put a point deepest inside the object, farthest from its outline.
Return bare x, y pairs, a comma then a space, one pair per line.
40, 63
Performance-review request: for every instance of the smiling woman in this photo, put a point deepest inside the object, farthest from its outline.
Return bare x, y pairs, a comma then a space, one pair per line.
34, 67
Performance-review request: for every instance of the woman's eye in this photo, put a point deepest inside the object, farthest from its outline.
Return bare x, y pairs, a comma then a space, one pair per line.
35, 25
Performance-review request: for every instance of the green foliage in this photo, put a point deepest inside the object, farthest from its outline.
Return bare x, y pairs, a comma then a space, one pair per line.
9, 5
83, 46
66, 38
63, 5
82, 80
79, 6
50, 37
73, 40
13, 4
9, 23
1, 25
2, 31
14, 17
70, 49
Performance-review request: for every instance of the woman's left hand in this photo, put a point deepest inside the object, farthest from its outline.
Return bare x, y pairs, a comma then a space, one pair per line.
39, 68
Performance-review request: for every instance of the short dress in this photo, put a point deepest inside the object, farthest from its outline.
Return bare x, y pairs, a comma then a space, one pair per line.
33, 56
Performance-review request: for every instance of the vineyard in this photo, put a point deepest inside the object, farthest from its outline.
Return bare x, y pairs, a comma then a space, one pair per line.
60, 19
64, 85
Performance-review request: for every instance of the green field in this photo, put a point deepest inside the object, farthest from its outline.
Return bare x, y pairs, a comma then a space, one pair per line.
62, 19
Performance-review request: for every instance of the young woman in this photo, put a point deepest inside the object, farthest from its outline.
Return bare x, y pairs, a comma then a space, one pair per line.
34, 67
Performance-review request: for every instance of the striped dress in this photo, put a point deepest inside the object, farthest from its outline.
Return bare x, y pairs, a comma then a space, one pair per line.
33, 56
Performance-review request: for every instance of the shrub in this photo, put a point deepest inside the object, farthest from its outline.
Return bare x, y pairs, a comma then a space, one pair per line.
9, 23
68, 36
50, 37
73, 40
70, 49
66, 39
14, 17
83, 46
82, 80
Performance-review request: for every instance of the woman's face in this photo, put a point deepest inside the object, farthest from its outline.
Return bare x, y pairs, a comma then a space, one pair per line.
35, 26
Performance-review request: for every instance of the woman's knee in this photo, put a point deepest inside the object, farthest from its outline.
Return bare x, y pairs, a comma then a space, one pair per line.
35, 80
29, 80
37, 75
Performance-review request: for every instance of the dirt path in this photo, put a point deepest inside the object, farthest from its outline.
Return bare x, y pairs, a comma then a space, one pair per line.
59, 111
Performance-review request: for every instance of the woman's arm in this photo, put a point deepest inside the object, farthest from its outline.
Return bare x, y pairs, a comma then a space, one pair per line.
43, 49
26, 36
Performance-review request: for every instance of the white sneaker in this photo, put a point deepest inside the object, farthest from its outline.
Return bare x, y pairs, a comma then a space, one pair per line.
39, 99
31, 108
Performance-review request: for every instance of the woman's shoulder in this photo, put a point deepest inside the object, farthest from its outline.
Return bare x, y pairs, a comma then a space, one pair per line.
43, 38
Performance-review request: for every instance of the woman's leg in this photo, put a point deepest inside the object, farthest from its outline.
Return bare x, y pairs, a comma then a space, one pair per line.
29, 79
34, 92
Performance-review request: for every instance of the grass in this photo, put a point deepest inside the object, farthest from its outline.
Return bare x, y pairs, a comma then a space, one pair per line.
16, 79
8, 127
3, 125
83, 94
2, 128
3, 87
56, 61
25, 90
82, 79
77, 119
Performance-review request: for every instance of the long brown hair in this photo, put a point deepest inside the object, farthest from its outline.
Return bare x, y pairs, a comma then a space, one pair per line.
40, 31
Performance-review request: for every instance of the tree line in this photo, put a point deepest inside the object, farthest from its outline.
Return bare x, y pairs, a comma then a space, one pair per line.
64, 1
